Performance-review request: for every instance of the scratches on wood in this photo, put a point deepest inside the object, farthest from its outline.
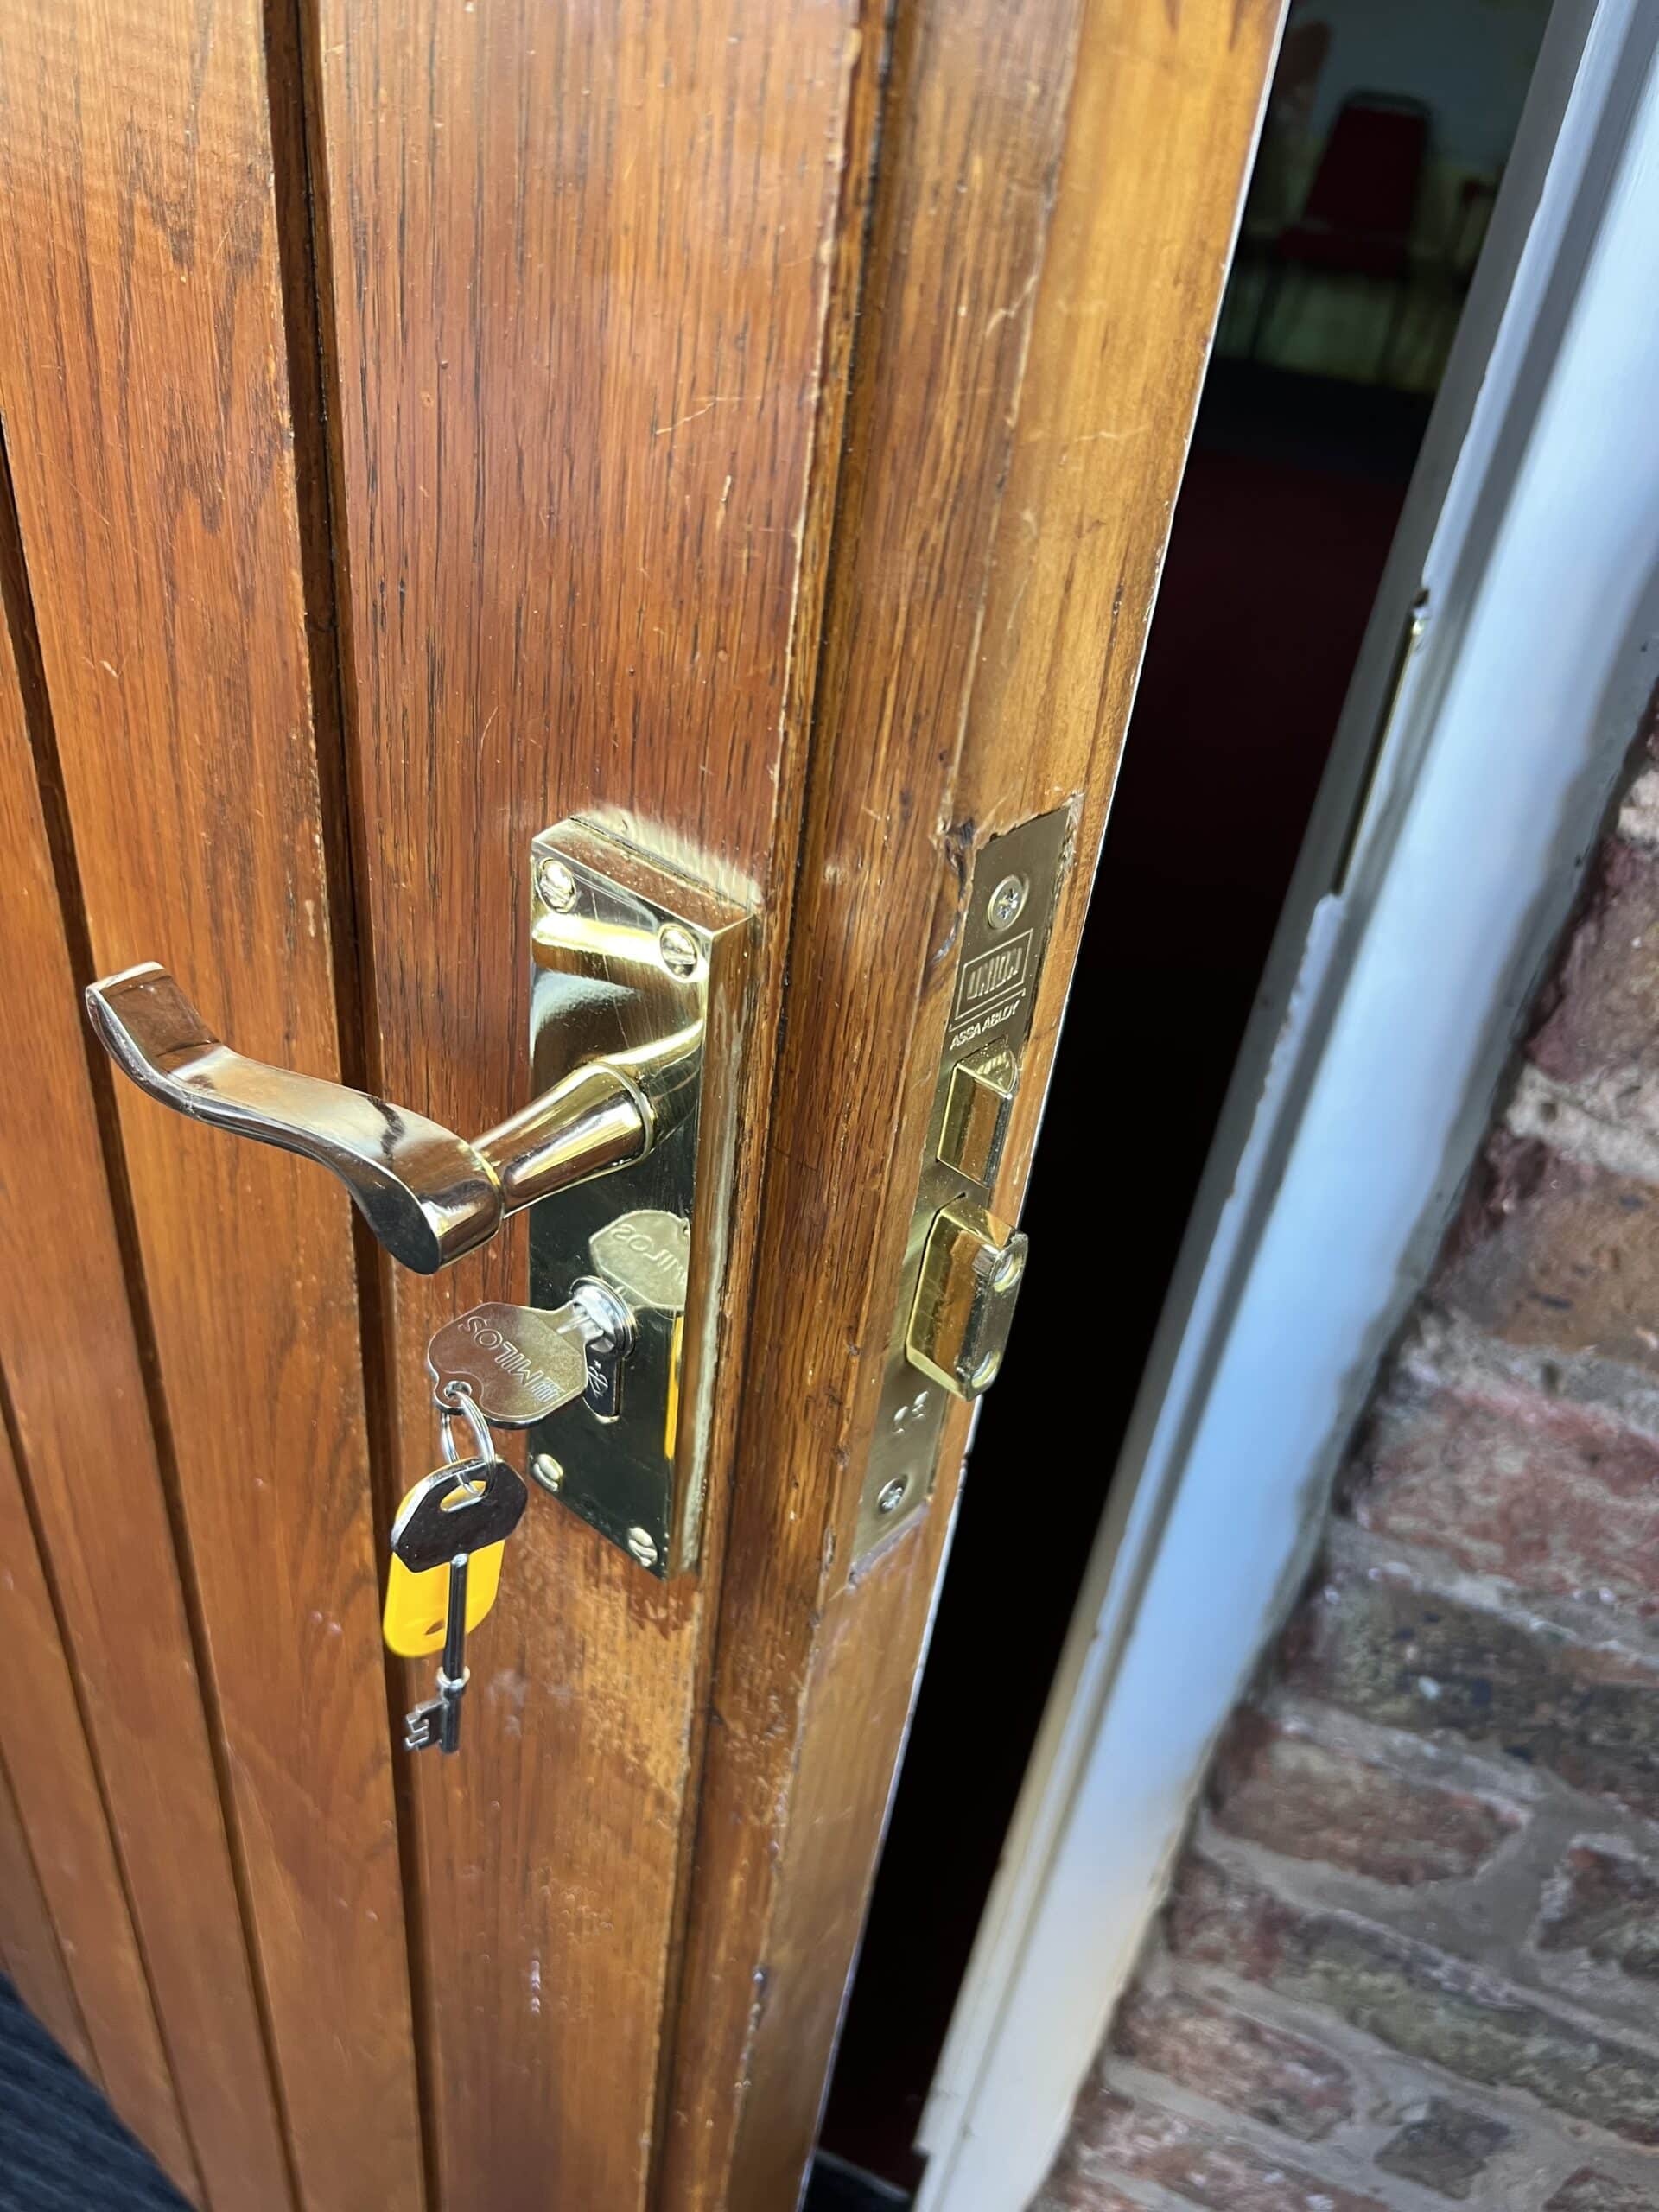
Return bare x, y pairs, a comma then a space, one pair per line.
581, 259
1028, 544
144, 390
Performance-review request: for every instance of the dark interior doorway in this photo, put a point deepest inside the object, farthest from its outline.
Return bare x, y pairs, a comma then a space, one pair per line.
1388, 128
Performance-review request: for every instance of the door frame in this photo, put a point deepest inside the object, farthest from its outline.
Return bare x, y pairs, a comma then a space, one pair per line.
1367, 1079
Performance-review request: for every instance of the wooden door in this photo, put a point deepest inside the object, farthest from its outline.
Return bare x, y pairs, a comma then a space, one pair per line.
749, 423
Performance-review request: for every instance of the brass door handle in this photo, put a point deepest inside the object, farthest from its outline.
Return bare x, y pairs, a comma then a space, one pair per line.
427, 1194
640, 997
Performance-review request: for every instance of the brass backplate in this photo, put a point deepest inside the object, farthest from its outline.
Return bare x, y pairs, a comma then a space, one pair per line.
630, 962
1010, 910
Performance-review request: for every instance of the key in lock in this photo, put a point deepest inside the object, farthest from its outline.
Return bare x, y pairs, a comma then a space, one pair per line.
521, 1362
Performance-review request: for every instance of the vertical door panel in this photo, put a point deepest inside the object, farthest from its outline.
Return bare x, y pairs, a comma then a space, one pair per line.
58, 1803
28, 1943
971, 137
77, 1398
581, 260
1016, 460
144, 389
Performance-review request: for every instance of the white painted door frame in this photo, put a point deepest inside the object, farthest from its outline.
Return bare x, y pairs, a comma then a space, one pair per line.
1407, 952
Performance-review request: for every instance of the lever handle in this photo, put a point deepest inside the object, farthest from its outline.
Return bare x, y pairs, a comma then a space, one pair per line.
427, 1194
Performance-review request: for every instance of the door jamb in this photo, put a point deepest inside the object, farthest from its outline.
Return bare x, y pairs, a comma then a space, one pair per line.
1365, 1083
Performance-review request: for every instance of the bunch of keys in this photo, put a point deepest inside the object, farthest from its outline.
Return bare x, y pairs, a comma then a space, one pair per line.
470, 1506
496, 1367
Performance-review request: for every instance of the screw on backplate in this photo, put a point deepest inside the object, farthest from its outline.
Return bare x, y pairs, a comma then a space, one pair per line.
1006, 902
891, 1496
557, 885
547, 1470
678, 948
1009, 1270
643, 1545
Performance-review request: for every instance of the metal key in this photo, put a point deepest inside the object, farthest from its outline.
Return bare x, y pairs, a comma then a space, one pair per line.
437, 1719
519, 1363
453, 1514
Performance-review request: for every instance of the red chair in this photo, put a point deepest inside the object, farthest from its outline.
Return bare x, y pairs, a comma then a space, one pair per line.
1361, 206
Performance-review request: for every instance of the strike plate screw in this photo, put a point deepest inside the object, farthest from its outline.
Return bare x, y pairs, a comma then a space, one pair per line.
547, 1470
643, 1546
1008, 902
558, 886
891, 1496
679, 950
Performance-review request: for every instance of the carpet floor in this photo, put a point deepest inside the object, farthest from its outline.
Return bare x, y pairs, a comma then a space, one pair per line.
61, 2148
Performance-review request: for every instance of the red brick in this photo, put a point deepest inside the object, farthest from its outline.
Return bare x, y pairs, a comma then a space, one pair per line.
1068, 2190
1607, 1906
1600, 1018
1114, 2139
1416, 1998
1281, 2079
1504, 1481
1550, 1252
1443, 2147
1408, 1658
1589, 2191
1295, 1796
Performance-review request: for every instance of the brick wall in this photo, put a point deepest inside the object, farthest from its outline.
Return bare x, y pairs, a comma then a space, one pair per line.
1411, 1954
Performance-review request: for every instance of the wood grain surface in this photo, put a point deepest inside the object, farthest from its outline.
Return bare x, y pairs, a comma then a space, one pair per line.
1028, 368
588, 285
144, 385
56, 1795
77, 1398
28, 1943
580, 266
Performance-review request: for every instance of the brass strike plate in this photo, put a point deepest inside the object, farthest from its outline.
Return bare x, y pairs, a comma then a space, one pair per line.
626, 954
1010, 912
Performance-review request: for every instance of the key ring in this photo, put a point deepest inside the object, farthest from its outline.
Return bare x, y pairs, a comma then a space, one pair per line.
462, 1405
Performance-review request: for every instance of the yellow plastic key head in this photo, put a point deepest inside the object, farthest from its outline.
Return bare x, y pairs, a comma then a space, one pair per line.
417, 1605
